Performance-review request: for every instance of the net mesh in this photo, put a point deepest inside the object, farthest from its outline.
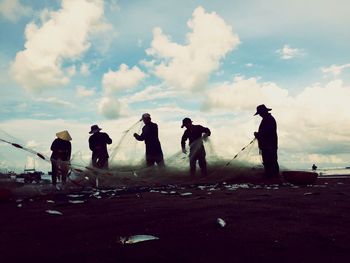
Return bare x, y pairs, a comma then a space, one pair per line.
127, 163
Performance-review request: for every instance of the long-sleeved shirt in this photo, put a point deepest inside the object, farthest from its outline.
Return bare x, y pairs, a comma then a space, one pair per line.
98, 144
61, 150
193, 134
267, 134
150, 136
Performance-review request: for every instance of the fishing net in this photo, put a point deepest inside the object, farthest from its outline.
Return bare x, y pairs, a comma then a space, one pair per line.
127, 163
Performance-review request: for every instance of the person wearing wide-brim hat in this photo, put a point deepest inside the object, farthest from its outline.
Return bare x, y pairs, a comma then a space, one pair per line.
98, 145
61, 152
195, 134
268, 141
149, 134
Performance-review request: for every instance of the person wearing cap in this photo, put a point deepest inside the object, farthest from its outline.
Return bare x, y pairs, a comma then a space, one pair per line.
267, 141
195, 134
154, 153
61, 152
98, 145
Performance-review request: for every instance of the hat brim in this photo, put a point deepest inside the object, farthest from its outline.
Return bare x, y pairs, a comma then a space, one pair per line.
94, 131
267, 109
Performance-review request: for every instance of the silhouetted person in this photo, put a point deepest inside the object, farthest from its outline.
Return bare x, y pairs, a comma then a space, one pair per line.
98, 145
195, 134
314, 167
61, 151
268, 141
149, 134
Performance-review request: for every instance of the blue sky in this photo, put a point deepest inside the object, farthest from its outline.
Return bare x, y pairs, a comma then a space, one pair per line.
71, 64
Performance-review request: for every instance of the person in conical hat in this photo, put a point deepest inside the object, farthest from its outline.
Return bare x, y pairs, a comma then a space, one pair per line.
98, 145
267, 141
154, 153
64, 135
61, 152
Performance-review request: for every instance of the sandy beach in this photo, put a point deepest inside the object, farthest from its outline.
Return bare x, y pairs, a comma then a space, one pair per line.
265, 222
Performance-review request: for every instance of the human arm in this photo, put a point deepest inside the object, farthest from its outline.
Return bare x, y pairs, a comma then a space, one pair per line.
69, 151
108, 139
183, 141
143, 135
206, 132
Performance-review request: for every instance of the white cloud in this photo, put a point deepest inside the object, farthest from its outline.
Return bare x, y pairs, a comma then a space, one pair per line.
288, 53
336, 70
71, 71
123, 78
62, 37
85, 69
81, 91
110, 108
13, 10
313, 122
32, 144
244, 94
153, 93
189, 66
55, 101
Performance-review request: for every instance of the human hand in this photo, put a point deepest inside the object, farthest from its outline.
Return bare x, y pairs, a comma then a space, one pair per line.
205, 136
136, 135
256, 134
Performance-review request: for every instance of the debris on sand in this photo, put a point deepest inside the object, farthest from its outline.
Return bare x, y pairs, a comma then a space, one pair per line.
136, 239
76, 201
54, 212
186, 194
221, 222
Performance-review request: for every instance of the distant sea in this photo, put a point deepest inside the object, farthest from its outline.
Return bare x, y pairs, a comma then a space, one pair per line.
334, 171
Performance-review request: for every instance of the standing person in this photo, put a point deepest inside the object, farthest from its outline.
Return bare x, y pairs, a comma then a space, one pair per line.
98, 145
268, 141
154, 153
61, 151
195, 134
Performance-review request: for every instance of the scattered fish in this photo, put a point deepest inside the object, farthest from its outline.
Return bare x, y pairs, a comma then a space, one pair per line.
19, 205
75, 195
76, 201
54, 212
136, 239
50, 201
186, 194
221, 222
311, 193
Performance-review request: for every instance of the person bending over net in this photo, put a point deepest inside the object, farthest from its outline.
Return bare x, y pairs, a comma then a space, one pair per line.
98, 145
195, 134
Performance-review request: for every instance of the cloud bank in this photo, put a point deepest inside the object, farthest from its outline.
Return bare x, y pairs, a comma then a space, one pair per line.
62, 36
189, 66
13, 10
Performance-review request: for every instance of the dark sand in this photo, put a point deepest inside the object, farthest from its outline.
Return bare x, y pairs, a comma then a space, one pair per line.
265, 224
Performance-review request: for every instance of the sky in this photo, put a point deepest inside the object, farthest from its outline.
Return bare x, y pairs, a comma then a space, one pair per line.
69, 64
